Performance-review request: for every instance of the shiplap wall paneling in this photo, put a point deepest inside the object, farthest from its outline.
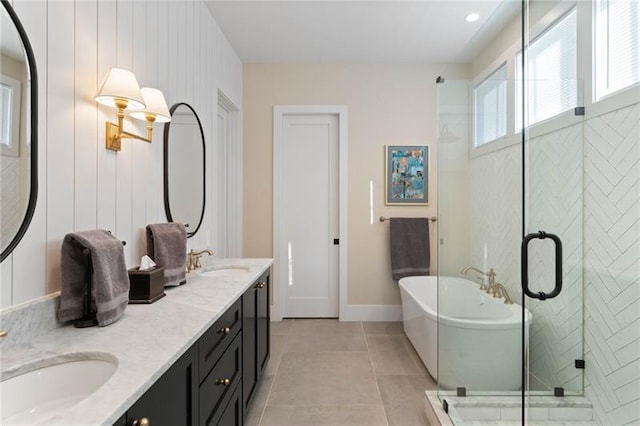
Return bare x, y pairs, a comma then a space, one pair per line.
86, 144
124, 158
6, 270
107, 58
60, 131
29, 257
171, 48
154, 155
156, 212
140, 150
82, 185
207, 55
181, 51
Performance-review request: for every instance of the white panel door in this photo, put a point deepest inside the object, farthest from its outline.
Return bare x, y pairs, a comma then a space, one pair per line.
310, 219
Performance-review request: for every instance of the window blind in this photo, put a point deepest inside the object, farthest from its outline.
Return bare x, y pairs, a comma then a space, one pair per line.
490, 98
616, 45
551, 78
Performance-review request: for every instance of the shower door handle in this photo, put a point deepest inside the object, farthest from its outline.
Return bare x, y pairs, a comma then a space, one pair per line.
525, 265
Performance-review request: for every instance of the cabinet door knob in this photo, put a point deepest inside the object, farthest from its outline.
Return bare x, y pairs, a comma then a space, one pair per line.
141, 422
225, 330
224, 382
261, 284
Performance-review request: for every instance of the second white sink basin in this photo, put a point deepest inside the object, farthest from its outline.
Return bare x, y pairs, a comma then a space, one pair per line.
52, 386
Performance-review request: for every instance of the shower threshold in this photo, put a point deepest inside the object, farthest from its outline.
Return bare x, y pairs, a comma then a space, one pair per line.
502, 409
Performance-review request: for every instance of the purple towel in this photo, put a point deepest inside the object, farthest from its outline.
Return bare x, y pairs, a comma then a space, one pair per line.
410, 255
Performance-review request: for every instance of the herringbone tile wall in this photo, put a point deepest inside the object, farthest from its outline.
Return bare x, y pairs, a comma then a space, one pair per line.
584, 179
612, 265
495, 215
555, 205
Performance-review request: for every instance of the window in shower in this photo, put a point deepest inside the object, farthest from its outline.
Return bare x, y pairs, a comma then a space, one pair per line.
551, 73
490, 101
616, 47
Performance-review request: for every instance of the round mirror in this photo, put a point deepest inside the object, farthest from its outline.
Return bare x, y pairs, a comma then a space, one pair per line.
18, 131
184, 168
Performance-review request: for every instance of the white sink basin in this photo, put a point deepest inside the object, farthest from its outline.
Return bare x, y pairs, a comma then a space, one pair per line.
52, 385
210, 270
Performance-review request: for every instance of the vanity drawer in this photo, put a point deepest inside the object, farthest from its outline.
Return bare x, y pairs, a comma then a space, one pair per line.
215, 340
219, 386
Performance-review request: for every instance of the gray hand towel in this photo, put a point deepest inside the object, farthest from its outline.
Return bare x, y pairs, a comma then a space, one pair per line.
167, 246
410, 255
109, 277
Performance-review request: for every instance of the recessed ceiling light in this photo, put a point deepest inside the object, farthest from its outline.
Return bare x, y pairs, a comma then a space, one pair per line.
472, 17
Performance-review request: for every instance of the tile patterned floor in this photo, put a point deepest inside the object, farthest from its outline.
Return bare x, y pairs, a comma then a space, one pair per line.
326, 372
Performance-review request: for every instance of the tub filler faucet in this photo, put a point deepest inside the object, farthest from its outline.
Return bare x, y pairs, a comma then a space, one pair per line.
493, 287
491, 275
502, 291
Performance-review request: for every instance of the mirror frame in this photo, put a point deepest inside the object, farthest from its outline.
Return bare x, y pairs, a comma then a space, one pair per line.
167, 208
33, 124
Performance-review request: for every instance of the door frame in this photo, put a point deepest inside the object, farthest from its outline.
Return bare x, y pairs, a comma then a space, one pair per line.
233, 202
279, 264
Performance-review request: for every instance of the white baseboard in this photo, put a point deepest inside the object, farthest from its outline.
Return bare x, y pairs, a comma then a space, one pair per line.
371, 313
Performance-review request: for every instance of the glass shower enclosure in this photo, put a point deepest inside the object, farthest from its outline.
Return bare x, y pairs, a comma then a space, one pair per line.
511, 217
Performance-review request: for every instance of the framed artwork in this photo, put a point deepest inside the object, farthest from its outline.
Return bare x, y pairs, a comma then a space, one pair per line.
407, 176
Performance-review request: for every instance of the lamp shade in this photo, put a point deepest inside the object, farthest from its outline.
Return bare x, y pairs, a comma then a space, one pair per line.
120, 84
156, 106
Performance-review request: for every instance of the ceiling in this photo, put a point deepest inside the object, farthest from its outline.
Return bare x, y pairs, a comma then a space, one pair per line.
329, 31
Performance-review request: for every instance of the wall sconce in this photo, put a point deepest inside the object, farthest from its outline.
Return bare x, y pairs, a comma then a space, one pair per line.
120, 90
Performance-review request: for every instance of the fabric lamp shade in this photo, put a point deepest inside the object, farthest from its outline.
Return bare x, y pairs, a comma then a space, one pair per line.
120, 84
155, 106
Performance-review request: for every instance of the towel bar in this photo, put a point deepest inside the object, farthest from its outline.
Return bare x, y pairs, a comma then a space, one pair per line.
432, 218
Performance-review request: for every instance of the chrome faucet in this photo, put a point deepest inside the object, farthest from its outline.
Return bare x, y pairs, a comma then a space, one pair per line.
491, 275
504, 293
193, 261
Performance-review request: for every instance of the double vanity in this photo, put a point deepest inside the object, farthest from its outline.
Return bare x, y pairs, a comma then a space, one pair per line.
194, 357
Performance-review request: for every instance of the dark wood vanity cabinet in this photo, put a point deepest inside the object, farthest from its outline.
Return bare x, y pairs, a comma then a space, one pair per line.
169, 401
263, 333
255, 337
214, 381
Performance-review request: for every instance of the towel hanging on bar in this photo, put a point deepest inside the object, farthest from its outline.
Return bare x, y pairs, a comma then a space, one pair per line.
410, 253
94, 275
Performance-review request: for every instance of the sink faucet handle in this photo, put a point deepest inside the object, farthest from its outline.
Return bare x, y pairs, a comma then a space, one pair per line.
194, 259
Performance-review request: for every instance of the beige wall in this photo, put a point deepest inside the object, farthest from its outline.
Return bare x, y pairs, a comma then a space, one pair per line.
388, 104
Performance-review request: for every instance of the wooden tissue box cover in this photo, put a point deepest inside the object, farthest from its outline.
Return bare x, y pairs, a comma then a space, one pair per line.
146, 286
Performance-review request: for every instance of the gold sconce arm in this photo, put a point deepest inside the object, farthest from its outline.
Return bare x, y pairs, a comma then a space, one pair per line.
120, 90
114, 133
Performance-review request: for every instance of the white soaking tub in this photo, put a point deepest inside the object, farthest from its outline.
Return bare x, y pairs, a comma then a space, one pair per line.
479, 338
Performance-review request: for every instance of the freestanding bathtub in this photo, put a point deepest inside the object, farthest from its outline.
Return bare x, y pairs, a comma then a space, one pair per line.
477, 344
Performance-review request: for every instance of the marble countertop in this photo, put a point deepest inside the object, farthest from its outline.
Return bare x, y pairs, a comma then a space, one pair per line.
146, 341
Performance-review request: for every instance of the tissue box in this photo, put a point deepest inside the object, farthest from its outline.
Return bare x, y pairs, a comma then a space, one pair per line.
146, 286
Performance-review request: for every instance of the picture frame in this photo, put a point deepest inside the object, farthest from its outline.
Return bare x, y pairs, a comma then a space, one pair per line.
407, 175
